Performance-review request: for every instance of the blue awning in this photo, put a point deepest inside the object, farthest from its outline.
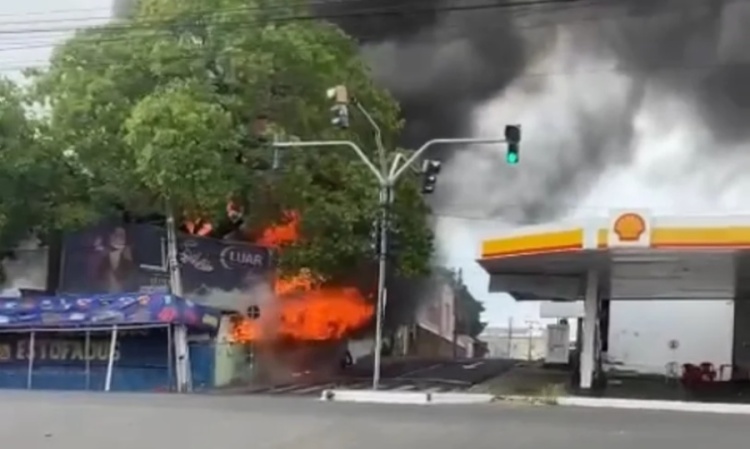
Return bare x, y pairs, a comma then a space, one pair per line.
86, 311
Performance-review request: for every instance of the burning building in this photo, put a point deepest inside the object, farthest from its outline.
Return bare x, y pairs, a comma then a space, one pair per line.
304, 326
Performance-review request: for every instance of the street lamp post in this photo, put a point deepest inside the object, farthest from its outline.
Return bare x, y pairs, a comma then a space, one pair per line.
386, 181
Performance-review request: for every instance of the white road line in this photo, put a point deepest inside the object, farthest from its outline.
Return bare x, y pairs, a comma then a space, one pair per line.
318, 387
404, 388
283, 389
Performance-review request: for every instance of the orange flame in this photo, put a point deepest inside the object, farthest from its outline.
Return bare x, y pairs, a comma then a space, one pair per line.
302, 309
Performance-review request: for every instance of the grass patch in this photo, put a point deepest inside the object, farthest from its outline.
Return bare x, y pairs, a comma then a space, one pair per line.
534, 384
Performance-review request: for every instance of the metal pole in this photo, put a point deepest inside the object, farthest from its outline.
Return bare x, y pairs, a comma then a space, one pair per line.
531, 341
386, 182
86, 351
510, 337
378, 135
169, 356
385, 194
417, 154
111, 359
175, 288
336, 143
29, 374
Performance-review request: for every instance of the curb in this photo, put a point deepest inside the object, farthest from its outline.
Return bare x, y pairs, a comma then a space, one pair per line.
404, 397
645, 404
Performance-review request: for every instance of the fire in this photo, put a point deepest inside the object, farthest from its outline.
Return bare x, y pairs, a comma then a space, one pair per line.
303, 309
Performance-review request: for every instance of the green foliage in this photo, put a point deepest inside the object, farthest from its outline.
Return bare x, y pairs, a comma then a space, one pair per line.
34, 183
161, 106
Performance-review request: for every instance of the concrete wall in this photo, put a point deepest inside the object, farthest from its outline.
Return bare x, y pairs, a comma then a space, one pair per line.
436, 314
428, 344
515, 344
641, 332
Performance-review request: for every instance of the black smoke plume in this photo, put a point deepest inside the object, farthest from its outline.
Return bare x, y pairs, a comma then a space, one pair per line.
445, 63
444, 59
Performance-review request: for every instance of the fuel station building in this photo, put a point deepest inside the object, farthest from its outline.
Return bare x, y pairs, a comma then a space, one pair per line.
630, 255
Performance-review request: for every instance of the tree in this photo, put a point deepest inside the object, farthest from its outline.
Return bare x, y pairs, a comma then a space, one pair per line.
25, 171
159, 107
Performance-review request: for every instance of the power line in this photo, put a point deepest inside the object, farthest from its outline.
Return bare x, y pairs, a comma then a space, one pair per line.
40, 63
417, 7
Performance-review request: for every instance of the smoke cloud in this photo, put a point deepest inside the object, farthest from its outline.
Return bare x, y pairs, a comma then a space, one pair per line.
576, 75
27, 269
581, 78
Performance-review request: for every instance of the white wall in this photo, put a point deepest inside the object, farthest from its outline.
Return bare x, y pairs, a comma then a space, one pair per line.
640, 332
436, 314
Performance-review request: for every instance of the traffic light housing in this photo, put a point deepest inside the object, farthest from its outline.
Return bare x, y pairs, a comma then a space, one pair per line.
394, 240
340, 110
430, 170
513, 139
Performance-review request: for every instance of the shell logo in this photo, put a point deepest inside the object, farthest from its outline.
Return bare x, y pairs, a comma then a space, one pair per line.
629, 227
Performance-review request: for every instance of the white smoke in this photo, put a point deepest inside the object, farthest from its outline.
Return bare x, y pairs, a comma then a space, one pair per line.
26, 270
670, 163
667, 164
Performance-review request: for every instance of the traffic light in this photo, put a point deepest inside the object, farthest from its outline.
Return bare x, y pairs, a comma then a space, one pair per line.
394, 241
513, 138
430, 170
375, 237
340, 109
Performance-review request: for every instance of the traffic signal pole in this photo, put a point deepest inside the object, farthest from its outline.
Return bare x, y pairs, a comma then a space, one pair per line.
386, 180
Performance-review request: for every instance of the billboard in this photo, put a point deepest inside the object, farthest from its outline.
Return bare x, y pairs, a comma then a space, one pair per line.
124, 258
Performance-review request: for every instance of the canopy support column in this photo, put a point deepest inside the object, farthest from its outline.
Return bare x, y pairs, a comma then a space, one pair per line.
590, 307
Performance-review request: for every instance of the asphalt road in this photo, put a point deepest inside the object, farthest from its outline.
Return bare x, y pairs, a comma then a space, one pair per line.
468, 371
92, 421
401, 375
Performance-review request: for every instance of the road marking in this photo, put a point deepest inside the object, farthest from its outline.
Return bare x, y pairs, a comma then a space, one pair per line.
313, 388
404, 388
419, 370
283, 389
473, 365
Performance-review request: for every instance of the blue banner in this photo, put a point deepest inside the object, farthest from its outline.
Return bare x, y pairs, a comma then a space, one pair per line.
105, 311
141, 348
116, 258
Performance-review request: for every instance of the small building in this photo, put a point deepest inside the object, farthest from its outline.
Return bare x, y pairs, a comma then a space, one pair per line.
103, 342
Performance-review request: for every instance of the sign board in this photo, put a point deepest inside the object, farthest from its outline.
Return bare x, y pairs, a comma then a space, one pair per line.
126, 258
147, 347
629, 228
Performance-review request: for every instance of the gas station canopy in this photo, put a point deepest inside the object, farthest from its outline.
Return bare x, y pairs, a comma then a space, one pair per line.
637, 255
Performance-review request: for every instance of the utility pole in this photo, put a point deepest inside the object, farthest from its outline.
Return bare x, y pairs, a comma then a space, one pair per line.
184, 382
457, 287
386, 181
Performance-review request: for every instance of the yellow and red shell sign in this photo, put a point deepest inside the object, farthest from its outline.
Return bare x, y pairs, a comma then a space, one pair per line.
629, 227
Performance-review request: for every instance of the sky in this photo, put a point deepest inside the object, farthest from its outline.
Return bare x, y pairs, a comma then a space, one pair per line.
666, 173
48, 21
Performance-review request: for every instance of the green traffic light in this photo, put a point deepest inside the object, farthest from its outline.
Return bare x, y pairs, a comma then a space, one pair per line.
512, 155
